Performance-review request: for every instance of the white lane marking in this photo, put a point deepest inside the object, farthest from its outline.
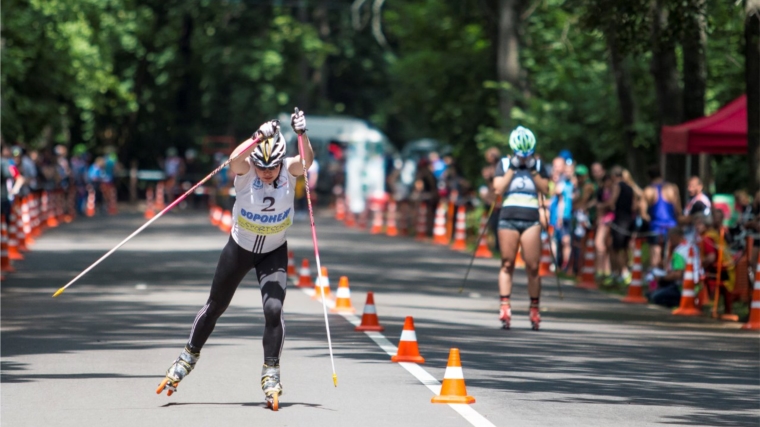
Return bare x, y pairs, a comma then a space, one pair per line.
472, 416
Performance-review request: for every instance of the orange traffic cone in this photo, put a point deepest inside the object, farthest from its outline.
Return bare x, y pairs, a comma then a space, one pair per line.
453, 389
51, 221
754, 310
26, 215
226, 223
483, 251
439, 226
322, 285
377, 219
343, 298
160, 203
90, 207
421, 227
687, 307
361, 222
5, 261
19, 218
460, 233
588, 279
13, 248
149, 209
304, 275
545, 263
292, 266
635, 292
392, 228
370, 322
340, 209
407, 346
215, 216
36, 229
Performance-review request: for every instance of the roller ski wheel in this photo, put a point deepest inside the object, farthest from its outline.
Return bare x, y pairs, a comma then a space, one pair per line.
177, 371
535, 318
168, 385
505, 316
273, 401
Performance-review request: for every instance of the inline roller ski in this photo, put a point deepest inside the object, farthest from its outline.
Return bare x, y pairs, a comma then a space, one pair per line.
179, 370
505, 316
270, 384
535, 318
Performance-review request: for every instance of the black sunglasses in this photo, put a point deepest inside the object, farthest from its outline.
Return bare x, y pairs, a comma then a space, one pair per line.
270, 168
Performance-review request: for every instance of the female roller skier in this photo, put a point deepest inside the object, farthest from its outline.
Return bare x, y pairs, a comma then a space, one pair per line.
264, 185
520, 179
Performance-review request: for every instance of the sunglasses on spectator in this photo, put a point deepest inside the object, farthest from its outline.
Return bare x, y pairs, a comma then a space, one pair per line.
270, 168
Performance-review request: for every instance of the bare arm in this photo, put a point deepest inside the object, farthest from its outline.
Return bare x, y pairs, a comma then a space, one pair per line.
296, 168
500, 183
241, 165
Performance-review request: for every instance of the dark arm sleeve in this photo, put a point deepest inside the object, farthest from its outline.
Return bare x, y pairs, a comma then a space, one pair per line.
499, 169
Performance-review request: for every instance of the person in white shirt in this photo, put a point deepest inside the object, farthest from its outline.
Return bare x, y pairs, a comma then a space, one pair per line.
265, 188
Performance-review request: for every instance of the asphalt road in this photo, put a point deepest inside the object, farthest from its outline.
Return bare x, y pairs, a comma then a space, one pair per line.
94, 355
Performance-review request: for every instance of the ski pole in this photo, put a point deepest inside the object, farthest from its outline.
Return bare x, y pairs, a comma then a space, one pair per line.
551, 251
316, 253
252, 144
482, 232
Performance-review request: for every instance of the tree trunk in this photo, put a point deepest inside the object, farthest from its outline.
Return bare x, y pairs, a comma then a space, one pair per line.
319, 79
508, 58
627, 104
694, 72
665, 73
752, 76
303, 65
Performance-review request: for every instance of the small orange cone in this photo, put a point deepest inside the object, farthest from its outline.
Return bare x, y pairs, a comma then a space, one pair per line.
160, 203
322, 285
407, 346
545, 263
149, 211
35, 216
439, 228
14, 252
453, 389
377, 219
392, 228
226, 223
90, 210
519, 261
51, 221
588, 279
340, 209
304, 275
26, 215
370, 322
292, 266
343, 298
215, 216
460, 233
20, 235
687, 307
754, 311
5, 261
635, 292
483, 251
421, 228
71, 205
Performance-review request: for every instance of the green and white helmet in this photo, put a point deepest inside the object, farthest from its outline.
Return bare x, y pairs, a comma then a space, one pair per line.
522, 142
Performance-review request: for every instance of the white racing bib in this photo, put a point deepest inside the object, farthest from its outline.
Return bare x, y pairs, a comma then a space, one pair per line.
263, 212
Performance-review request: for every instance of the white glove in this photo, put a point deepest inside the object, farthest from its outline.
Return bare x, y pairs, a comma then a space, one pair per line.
298, 122
514, 162
530, 163
267, 130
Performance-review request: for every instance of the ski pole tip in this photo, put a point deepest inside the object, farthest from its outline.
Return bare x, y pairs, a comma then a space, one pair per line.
335, 380
58, 292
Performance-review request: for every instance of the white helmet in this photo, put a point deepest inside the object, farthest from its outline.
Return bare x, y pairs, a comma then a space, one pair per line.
269, 152
522, 142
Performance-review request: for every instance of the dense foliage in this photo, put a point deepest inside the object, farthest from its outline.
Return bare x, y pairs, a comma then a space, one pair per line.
144, 75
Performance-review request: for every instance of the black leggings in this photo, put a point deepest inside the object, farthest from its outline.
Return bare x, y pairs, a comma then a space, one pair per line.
234, 263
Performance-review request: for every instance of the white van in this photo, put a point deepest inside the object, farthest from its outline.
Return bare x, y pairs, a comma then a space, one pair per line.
352, 154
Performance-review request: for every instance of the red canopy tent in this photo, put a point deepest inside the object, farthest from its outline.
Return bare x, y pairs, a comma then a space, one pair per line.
724, 132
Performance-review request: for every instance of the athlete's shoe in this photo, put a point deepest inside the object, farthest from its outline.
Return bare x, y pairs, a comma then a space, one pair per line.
505, 315
178, 370
270, 384
535, 318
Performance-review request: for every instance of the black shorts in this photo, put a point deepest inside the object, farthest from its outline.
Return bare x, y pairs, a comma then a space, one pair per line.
621, 233
518, 225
